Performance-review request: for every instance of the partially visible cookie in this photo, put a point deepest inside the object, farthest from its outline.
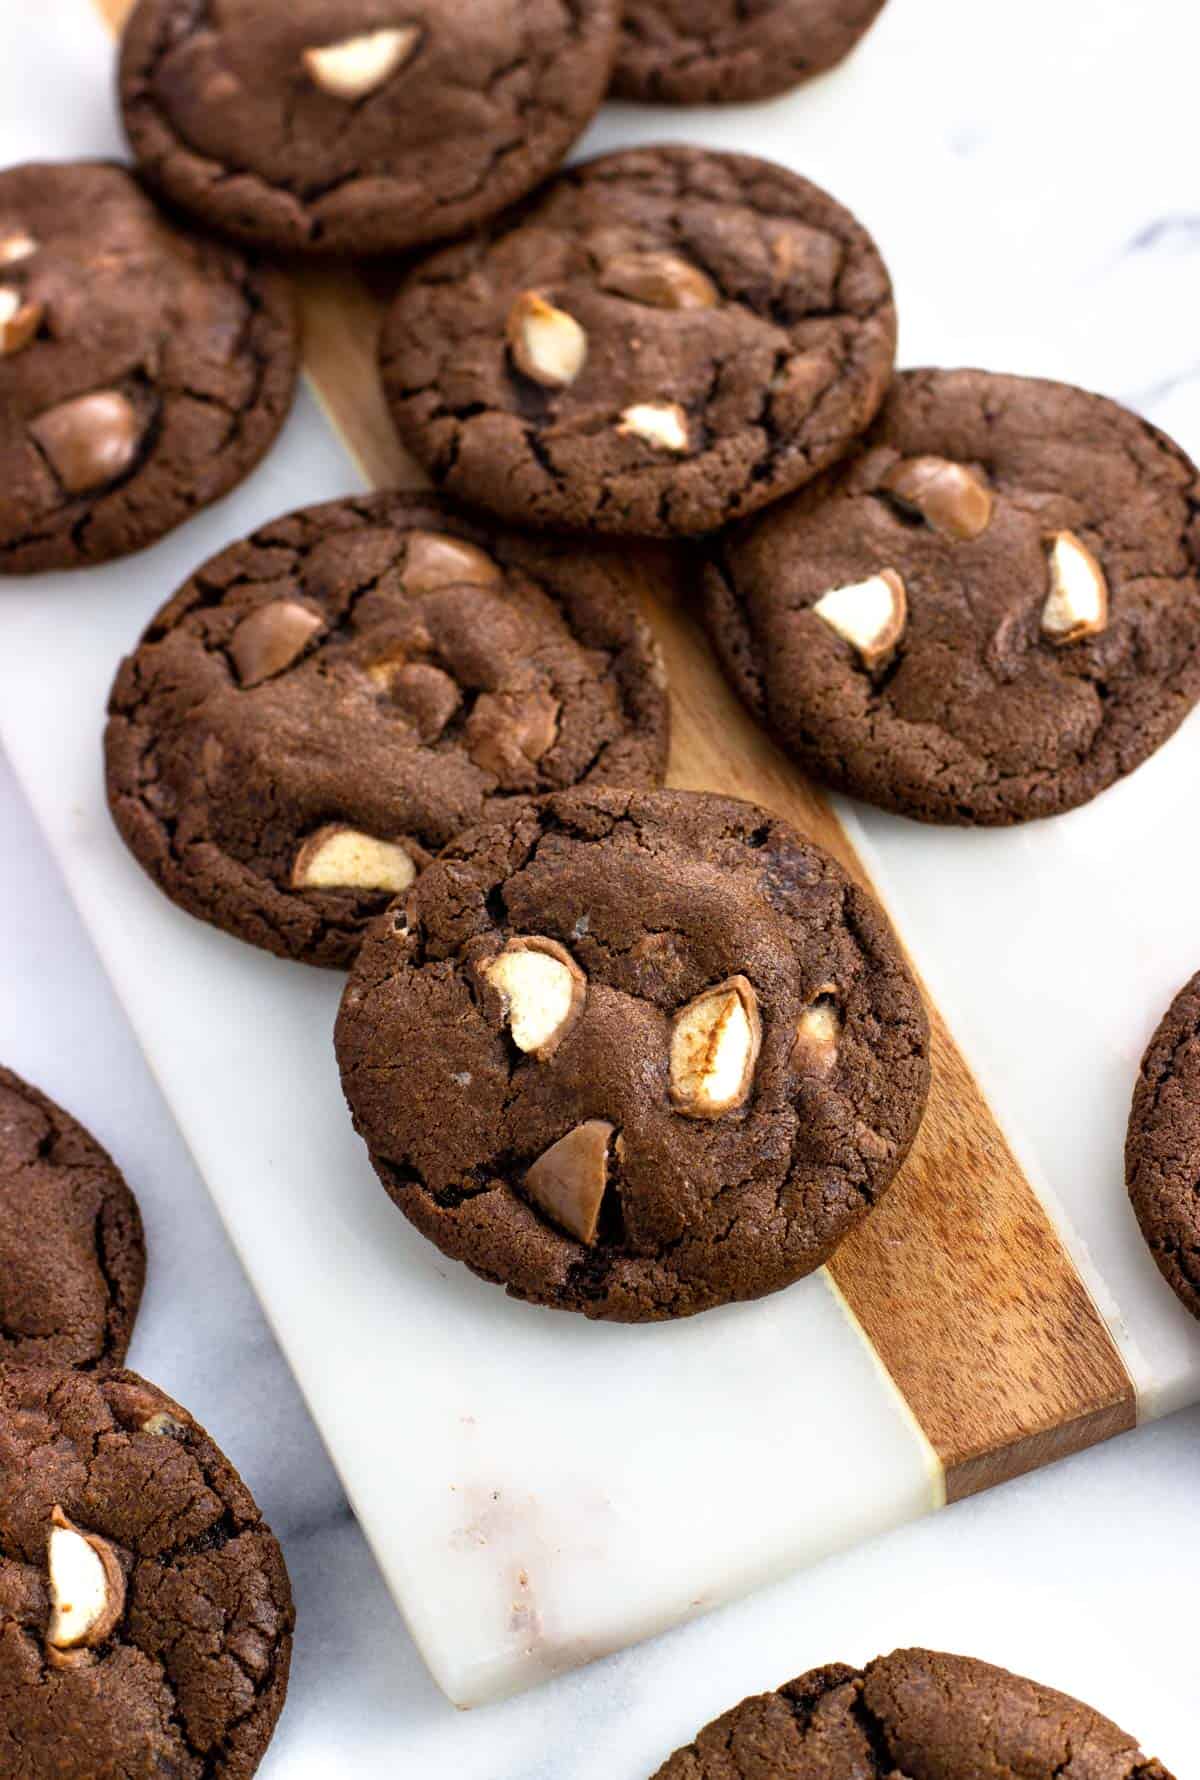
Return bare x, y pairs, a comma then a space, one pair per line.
663, 340
914, 1713
990, 612
635, 1054
327, 703
72, 1251
145, 1612
143, 371
706, 52
1162, 1150
354, 126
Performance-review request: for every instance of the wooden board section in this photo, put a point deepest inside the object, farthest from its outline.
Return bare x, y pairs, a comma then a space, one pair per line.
959, 1279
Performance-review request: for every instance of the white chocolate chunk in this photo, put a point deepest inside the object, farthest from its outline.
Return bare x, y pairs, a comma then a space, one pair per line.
87, 1588
338, 858
1077, 605
715, 1043
19, 320
358, 65
543, 990
661, 424
16, 247
818, 1030
869, 615
164, 1424
547, 344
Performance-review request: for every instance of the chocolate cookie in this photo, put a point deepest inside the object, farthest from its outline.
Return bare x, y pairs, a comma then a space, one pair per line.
989, 613
143, 372
1162, 1151
658, 1053
327, 703
705, 52
145, 1613
664, 340
72, 1251
915, 1713
351, 126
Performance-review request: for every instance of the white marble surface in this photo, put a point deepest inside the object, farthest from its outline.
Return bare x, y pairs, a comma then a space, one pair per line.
1055, 166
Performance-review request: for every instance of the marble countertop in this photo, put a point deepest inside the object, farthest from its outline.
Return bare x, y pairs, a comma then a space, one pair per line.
1075, 128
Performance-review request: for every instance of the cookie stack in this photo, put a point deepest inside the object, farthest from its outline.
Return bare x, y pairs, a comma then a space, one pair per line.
660, 1052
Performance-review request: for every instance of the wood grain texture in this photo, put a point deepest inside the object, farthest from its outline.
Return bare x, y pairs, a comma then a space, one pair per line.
960, 1278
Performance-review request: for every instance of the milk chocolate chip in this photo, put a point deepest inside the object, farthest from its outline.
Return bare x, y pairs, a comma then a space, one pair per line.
507, 734
89, 441
662, 280
568, 1181
435, 559
948, 496
271, 639
19, 320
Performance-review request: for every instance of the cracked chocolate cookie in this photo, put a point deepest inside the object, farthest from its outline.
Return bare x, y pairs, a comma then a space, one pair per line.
915, 1713
327, 703
1162, 1151
664, 340
145, 1612
143, 372
706, 52
990, 612
635, 1054
72, 1252
352, 126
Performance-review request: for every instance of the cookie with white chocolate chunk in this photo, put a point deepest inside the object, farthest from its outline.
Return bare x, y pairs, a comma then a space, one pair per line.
147, 1614
359, 126
143, 371
661, 341
990, 612
328, 702
660, 1053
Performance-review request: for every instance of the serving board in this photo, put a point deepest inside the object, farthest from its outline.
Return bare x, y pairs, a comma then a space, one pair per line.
536, 1491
